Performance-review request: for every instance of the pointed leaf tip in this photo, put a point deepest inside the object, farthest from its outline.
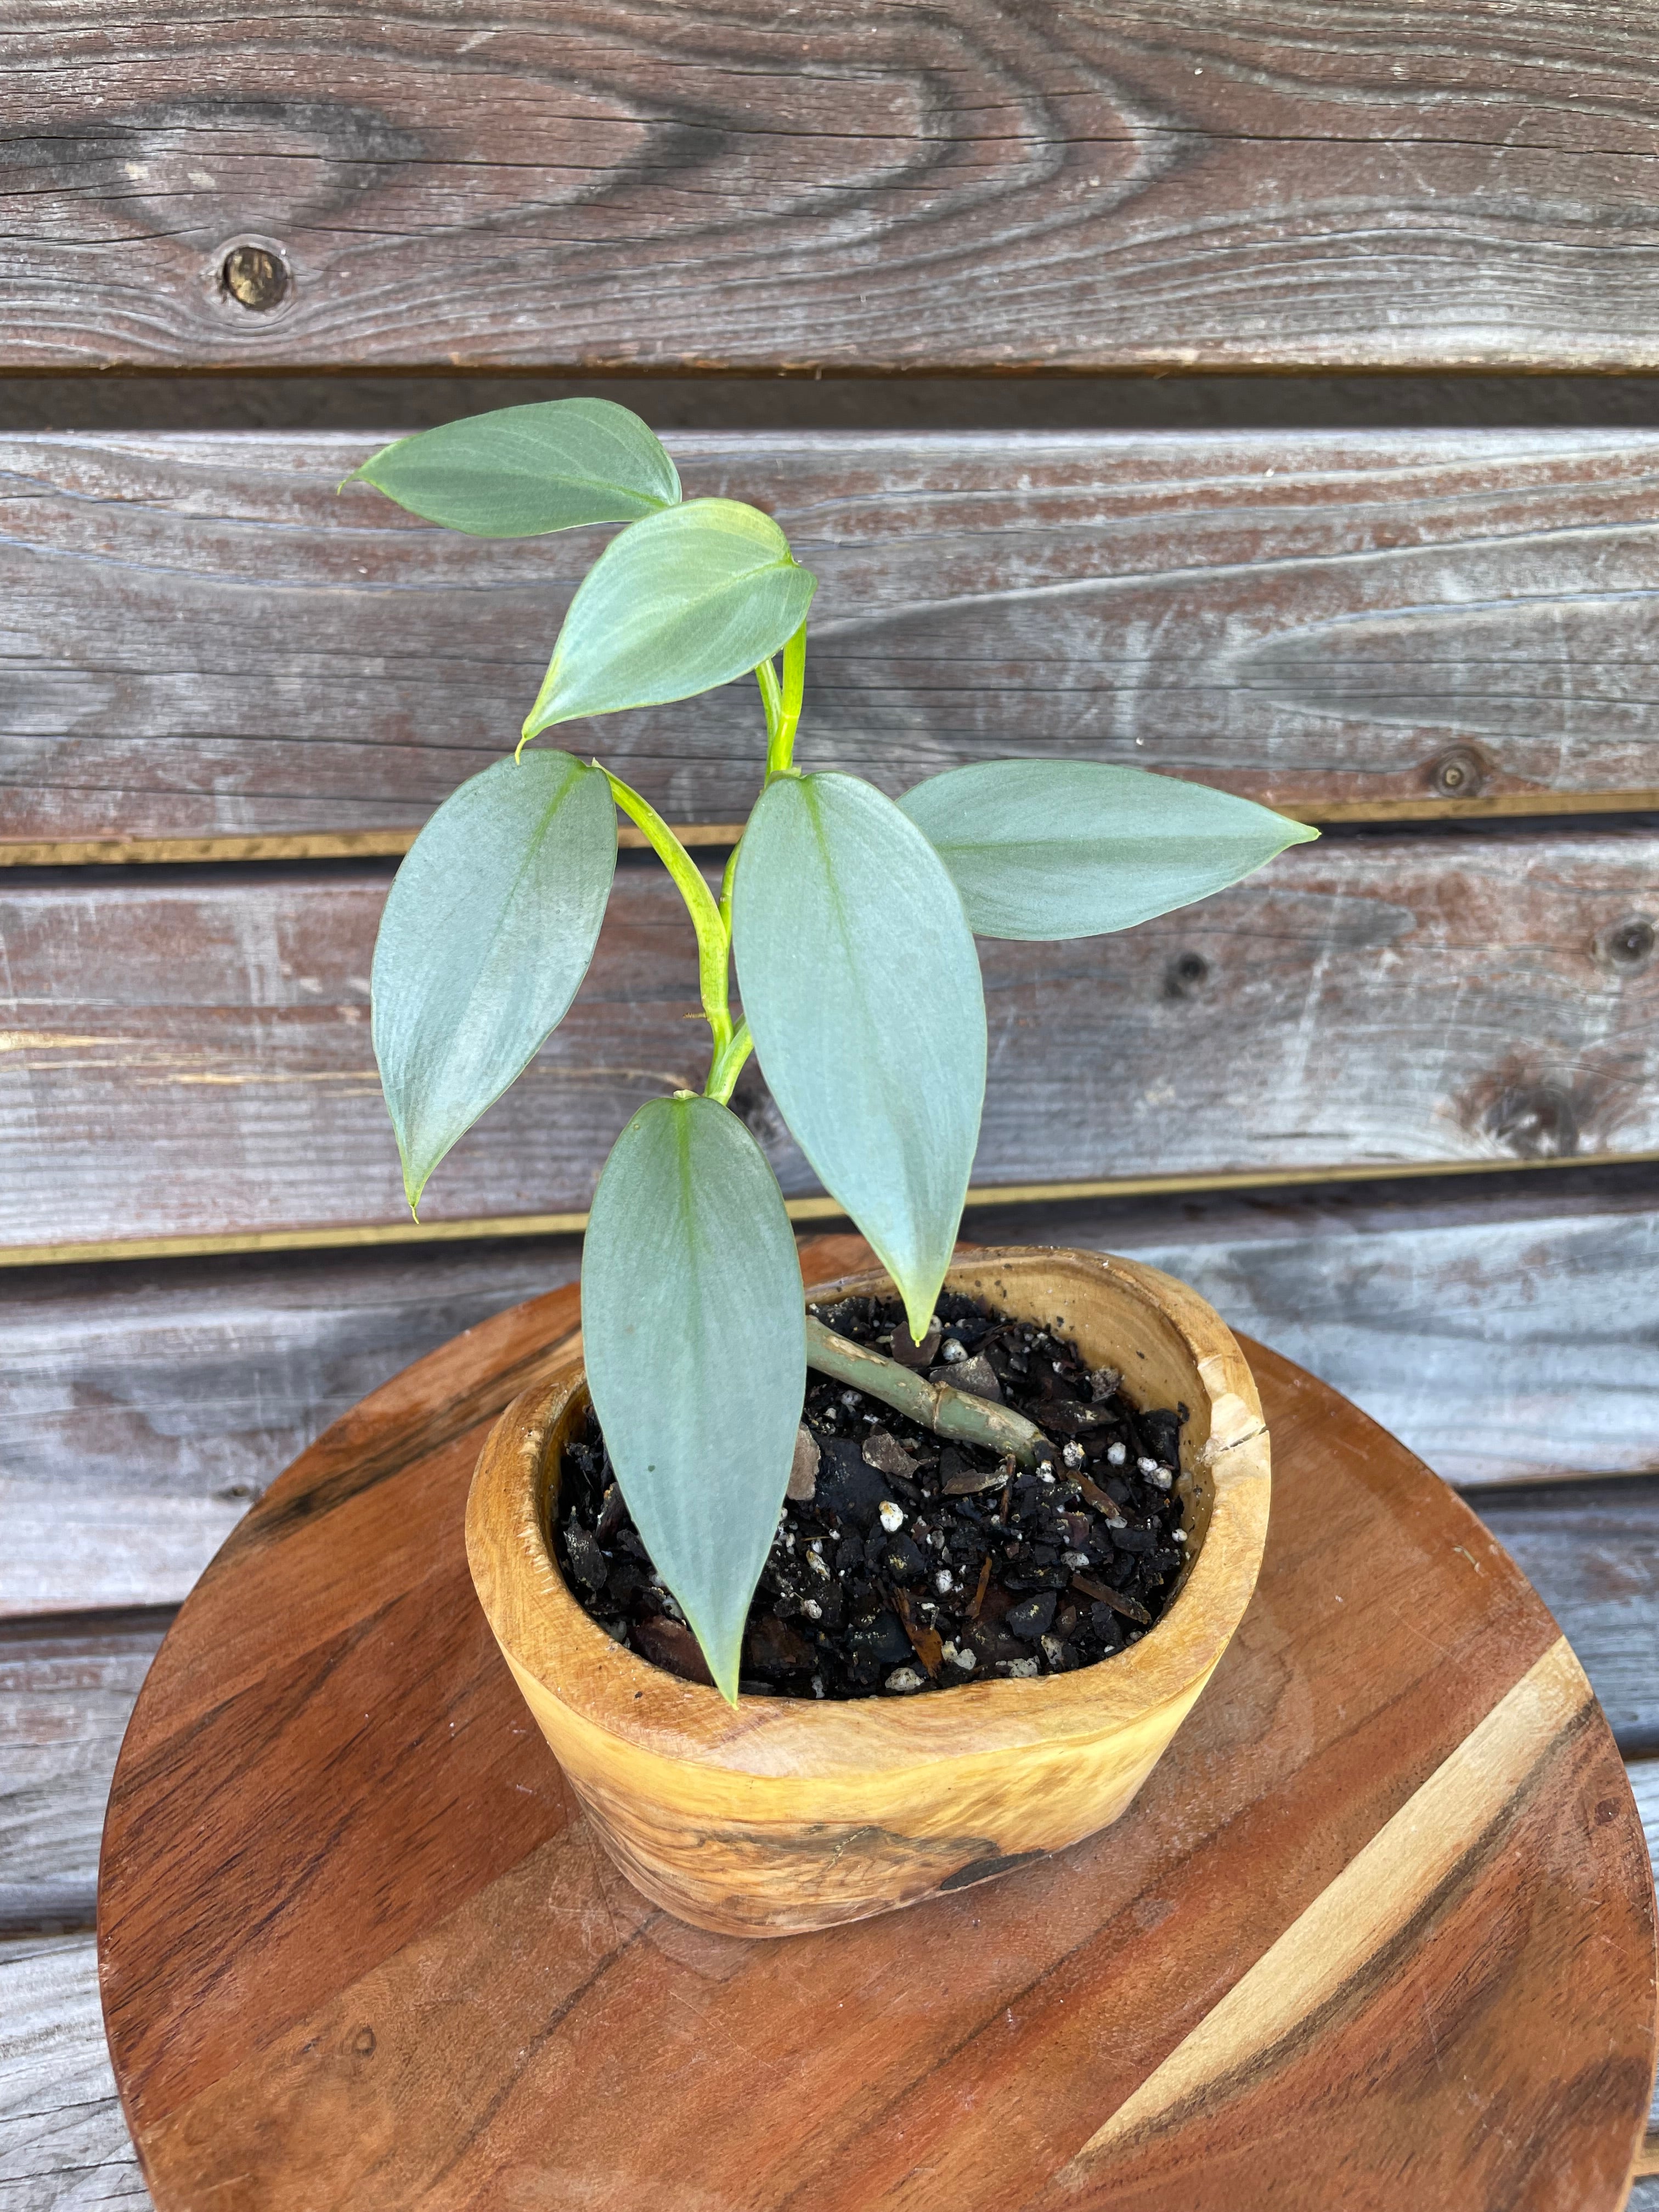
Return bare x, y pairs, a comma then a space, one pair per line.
1052, 849
678, 603
694, 1335
486, 935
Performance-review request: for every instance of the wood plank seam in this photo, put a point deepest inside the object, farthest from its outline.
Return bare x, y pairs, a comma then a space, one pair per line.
358, 1237
392, 844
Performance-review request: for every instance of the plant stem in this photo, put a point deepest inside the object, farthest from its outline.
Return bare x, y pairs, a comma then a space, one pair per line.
781, 727
714, 936
936, 1406
728, 1065
730, 871
766, 675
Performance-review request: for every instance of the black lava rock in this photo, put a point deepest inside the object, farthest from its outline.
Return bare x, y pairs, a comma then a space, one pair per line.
1032, 1617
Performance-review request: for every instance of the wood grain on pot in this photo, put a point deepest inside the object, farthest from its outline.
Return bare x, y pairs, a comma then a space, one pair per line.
204, 640
973, 184
189, 1055
274, 2041
796, 1815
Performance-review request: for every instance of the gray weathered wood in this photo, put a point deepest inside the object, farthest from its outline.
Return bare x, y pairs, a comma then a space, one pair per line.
203, 639
66, 1690
1507, 1329
191, 1055
1644, 1783
1000, 186
143, 1406
1591, 1550
63, 2145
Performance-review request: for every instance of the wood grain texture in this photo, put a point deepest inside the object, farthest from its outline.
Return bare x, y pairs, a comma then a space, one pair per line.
301, 2014
67, 1688
63, 2145
193, 1053
788, 1816
982, 185
144, 1408
203, 640
1509, 1334
1594, 1549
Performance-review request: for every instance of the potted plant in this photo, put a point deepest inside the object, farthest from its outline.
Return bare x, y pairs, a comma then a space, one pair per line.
822, 1609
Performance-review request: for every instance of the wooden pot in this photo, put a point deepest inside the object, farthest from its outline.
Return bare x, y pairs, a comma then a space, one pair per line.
779, 1815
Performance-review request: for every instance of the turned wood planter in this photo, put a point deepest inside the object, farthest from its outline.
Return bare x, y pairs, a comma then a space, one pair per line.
779, 1815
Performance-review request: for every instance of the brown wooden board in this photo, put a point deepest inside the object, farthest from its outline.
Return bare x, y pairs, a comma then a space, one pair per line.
1504, 1328
190, 1055
68, 1685
977, 184
203, 640
357, 1945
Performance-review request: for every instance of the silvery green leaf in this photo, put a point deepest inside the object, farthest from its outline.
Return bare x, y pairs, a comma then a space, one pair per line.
486, 935
861, 986
1073, 849
521, 471
684, 600
694, 1337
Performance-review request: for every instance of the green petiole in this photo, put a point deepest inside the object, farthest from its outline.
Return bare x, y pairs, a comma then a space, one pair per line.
783, 705
712, 920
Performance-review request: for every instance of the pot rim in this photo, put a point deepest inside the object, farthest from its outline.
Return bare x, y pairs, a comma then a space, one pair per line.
547, 1636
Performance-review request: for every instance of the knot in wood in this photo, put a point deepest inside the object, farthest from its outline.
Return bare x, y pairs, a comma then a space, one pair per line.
255, 275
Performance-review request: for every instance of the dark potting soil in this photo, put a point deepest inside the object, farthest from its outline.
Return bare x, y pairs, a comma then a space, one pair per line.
915, 1564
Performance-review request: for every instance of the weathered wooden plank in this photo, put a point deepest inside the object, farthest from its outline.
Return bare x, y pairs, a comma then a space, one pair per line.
63, 2145
144, 1406
1507, 1335
203, 640
66, 1692
193, 1054
1506, 1332
1644, 1785
988, 186
1591, 1550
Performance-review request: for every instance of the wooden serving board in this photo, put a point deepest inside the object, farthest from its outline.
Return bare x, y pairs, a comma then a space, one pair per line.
1378, 1932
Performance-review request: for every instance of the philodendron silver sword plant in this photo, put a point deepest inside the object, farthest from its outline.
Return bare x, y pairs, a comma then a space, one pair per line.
851, 917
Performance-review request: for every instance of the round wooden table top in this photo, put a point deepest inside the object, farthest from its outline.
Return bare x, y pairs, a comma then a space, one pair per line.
1378, 1931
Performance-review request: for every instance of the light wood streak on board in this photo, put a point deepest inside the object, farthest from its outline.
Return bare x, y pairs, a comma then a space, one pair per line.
1328, 621
1351, 1925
